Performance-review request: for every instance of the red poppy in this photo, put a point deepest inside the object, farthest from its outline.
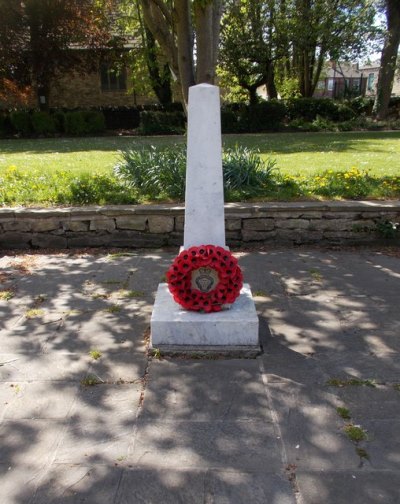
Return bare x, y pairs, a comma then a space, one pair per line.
218, 278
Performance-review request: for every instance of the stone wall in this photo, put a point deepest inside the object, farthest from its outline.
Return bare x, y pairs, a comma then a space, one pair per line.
160, 225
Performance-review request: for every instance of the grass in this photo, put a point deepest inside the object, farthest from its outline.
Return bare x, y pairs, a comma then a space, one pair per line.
44, 171
296, 153
351, 382
343, 413
355, 433
6, 295
95, 354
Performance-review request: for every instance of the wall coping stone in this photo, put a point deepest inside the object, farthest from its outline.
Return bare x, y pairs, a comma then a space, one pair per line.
250, 209
158, 225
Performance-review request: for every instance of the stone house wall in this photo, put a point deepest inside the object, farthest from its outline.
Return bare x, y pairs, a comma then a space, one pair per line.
140, 226
84, 91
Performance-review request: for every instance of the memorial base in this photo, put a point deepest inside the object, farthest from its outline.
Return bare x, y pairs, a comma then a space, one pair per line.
232, 332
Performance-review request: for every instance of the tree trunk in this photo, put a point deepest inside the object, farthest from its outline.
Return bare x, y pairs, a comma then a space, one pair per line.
159, 23
184, 34
207, 18
388, 60
271, 88
160, 81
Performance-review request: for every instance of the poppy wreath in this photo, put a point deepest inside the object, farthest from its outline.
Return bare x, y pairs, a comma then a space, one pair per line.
205, 278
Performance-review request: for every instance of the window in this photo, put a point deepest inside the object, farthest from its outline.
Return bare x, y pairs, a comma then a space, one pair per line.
112, 79
330, 84
370, 83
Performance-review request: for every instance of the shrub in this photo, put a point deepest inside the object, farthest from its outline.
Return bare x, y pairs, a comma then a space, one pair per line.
229, 121
309, 108
121, 117
244, 168
75, 123
3, 127
154, 172
162, 123
160, 173
59, 121
351, 184
322, 124
265, 116
98, 189
21, 122
95, 122
43, 123
361, 105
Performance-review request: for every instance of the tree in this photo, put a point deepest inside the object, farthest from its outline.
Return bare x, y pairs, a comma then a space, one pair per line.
388, 59
248, 45
326, 29
150, 73
40, 38
188, 34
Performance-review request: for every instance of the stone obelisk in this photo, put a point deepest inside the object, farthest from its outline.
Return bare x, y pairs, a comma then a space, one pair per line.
204, 198
174, 329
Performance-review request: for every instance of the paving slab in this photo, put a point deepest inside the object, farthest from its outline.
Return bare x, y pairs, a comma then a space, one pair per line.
34, 400
169, 486
29, 442
205, 391
311, 429
245, 445
75, 484
195, 486
185, 430
54, 366
354, 486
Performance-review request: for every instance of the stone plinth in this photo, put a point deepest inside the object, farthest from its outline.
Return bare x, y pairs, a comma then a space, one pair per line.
175, 330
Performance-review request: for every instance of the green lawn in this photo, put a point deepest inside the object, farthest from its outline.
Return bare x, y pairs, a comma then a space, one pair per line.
295, 153
65, 171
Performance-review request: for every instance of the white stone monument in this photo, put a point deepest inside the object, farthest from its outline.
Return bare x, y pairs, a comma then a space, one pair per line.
174, 329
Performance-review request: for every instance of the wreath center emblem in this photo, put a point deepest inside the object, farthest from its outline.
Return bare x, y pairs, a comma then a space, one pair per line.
204, 279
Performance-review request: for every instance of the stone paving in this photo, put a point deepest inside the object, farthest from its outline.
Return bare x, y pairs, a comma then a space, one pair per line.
126, 428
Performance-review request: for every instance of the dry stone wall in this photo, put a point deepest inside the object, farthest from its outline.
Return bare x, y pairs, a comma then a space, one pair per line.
140, 226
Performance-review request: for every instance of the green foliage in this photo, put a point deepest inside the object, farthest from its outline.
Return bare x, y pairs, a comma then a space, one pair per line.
362, 105
245, 171
357, 382
229, 121
343, 413
160, 173
95, 354
95, 122
59, 121
21, 122
310, 108
75, 123
90, 380
162, 123
156, 173
355, 433
84, 122
100, 189
43, 123
61, 187
388, 229
264, 116
3, 127
6, 295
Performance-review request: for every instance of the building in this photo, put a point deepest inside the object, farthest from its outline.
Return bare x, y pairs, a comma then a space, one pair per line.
348, 80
